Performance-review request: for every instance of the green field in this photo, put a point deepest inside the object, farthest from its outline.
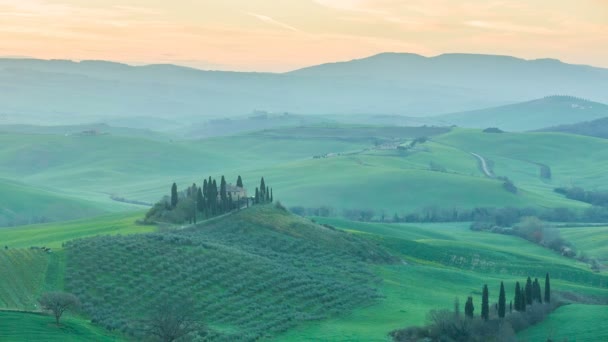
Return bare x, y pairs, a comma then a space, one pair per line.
23, 326
53, 235
23, 204
571, 323
593, 241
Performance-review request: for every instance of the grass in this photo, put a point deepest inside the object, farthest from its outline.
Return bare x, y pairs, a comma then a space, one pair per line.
53, 235
593, 241
22, 204
22, 277
454, 262
575, 322
24, 326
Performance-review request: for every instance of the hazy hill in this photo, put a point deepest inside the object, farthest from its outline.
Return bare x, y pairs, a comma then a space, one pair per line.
596, 128
169, 96
22, 204
530, 115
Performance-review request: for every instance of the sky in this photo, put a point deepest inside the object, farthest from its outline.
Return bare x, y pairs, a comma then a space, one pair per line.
282, 35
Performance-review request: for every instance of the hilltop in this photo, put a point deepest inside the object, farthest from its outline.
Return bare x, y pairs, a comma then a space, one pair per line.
176, 97
530, 115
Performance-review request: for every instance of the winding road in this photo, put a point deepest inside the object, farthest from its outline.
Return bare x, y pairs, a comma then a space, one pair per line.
484, 165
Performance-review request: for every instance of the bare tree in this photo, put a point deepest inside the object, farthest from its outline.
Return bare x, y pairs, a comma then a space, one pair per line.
172, 320
58, 302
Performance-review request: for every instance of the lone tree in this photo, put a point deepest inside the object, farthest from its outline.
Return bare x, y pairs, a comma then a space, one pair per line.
469, 308
502, 301
58, 302
485, 306
239, 182
547, 289
173, 195
171, 320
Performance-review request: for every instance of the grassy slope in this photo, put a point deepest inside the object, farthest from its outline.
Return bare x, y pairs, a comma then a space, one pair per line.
456, 261
395, 181
591, 240
21, 203
53, 235
26, 273
571, 323
21, 326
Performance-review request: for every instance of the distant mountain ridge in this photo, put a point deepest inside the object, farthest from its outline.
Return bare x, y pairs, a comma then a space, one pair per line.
384, 84
529, 115
596, 128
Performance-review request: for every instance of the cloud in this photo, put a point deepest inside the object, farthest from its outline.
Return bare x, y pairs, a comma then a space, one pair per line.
271, 21
510, 27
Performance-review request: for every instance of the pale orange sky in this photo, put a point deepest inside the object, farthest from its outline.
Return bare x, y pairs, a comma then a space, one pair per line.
281, 35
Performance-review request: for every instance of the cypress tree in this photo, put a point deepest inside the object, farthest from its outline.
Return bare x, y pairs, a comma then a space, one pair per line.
271, 196
262, 190
536, 291
230, 203
200, 200
501, 301
485, 306
267, 198
239, 182
174, 195
214, 193
469, 308
547, 289
510, 306
223, 195
529, 294
517, 298
257, 196
205, 188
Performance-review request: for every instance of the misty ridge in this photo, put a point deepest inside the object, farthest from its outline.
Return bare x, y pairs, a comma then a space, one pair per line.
162, 97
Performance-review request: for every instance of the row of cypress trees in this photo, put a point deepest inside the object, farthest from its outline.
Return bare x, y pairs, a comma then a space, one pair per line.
212, 201
524, 296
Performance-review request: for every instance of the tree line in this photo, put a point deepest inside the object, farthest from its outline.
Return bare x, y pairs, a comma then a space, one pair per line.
211, 199
529, 306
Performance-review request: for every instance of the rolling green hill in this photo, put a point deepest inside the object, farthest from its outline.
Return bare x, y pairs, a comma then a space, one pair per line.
23, 204
356, 167
264, 272
531, 115
252, 274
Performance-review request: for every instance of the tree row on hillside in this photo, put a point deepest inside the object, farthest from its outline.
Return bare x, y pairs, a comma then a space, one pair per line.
528, 307
209, 200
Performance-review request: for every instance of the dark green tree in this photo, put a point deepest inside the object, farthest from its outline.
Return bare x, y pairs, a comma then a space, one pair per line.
223, 195
517, 298
547, 289
200, 200
262, 196
529, 294
485, 304
469, 308
510, 306
257, 196
502, 301
267, 199
271, 196
239, 182
536, 293
174, 195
